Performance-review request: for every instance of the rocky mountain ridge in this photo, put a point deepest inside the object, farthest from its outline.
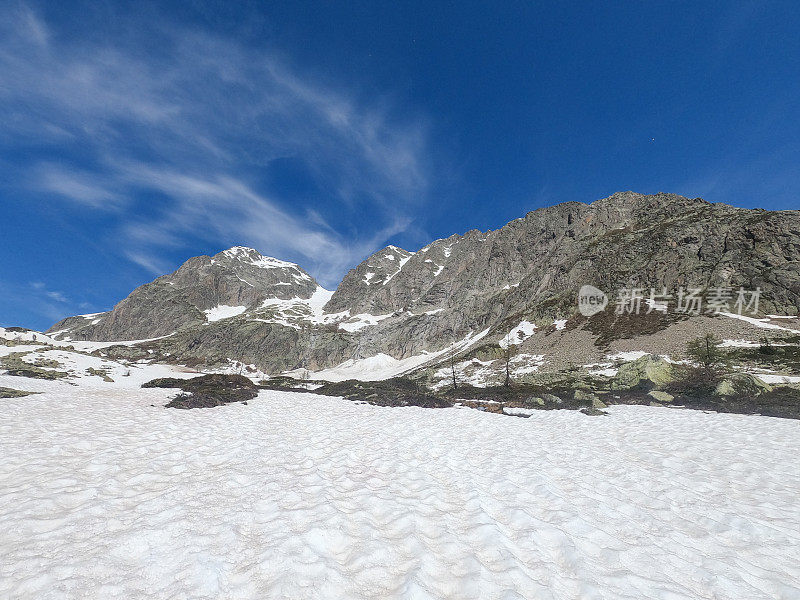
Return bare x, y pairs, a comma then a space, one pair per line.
466, 293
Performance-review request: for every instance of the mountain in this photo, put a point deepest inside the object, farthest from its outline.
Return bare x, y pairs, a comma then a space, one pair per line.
398, 310
204, 289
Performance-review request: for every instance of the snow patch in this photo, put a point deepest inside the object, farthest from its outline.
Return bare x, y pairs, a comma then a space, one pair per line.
761, 323
483, 373
360, 321
628, 356
382, 366
739, 344
79, 345
400, 264
774, 378
519, 334
223, 311
296, 312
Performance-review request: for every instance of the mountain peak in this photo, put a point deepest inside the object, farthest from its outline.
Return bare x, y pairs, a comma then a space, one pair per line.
253, 257
629, 198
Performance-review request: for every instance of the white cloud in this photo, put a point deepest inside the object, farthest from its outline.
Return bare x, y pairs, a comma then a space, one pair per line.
82, 188
41, 288
57, 296
192, 125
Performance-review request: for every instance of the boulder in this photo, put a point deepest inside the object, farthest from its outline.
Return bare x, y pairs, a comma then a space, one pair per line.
660, 396
589, 397
646, 372
533, 402
551, 399
12, 393
741, 384
593, 412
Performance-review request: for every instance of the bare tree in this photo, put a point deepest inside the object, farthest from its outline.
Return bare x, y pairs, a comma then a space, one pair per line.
453, 368
508, 353
510, 349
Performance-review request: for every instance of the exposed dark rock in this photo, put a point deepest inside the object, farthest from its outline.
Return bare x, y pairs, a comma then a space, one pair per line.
593, 412
17, 367
11, 393
207, 391
390, 392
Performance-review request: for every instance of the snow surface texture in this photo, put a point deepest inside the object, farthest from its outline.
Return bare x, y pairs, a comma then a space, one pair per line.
299, 496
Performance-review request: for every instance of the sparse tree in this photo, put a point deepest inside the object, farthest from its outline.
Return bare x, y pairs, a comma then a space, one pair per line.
453, 368
706, 351
508, 353
766, 347
708, 363
510, 346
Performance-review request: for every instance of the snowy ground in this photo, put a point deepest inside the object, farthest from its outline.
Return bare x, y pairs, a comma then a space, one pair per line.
299, 496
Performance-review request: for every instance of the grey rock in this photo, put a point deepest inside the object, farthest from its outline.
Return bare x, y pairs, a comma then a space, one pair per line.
531, 269
533, 402
552, 399
661, 396
742, 384
235, 277
647, 371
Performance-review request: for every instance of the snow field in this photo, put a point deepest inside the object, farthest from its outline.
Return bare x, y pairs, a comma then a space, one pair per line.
300, 496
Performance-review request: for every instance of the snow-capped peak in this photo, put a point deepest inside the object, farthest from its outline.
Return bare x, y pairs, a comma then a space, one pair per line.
254, 257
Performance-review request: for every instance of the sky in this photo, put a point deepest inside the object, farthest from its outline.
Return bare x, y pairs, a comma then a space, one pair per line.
136, 135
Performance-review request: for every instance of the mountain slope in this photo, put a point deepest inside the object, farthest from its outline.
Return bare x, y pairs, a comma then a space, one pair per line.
481, 285
204, 289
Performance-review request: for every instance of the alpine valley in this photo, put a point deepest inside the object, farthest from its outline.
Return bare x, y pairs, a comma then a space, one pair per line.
630, 455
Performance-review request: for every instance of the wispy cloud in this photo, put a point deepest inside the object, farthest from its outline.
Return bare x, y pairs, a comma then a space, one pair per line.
83, 188
54, 295
173, 142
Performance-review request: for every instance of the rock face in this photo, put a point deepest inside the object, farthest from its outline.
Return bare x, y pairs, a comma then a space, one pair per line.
243, 306
626, 240
202, 290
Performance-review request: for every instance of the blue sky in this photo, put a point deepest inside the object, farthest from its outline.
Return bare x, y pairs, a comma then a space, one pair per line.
136, 135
